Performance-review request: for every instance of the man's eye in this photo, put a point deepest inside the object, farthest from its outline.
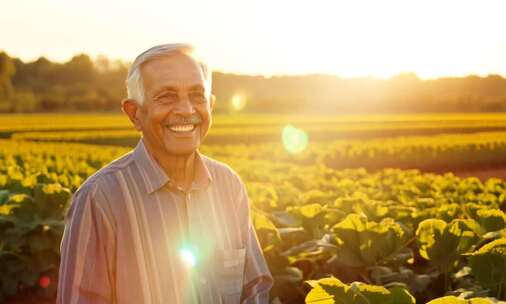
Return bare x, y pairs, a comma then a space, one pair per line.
198, 97
167, 97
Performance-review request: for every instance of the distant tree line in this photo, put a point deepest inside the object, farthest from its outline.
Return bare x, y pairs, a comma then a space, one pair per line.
77, 85
83, 84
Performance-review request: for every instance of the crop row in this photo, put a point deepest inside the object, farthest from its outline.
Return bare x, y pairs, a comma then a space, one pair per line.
439, 153
261, 133
34, 122
444, 152
422, 235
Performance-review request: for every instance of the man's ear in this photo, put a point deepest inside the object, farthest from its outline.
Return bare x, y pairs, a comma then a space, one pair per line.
132, 109
212, 99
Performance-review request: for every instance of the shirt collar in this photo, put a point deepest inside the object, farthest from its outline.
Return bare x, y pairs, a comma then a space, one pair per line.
158, 178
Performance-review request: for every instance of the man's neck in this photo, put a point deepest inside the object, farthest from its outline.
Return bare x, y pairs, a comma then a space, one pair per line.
179, 168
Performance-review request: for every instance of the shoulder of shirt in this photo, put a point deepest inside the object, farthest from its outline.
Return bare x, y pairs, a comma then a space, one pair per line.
220, 170
88, 189
94, 180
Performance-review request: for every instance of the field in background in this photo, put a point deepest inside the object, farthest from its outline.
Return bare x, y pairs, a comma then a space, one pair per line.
460, 142
331, 195
100, 121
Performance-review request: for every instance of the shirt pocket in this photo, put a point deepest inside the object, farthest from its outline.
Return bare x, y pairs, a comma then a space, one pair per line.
231, 275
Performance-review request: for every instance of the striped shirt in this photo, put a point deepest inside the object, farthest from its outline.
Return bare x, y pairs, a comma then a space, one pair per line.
131, 236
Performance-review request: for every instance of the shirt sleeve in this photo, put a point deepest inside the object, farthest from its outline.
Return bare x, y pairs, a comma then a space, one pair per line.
257, 279
87, 259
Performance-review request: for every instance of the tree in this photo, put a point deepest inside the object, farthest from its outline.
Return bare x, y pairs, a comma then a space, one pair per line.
7, 69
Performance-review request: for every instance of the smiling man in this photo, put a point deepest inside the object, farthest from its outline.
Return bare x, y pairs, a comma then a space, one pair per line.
163, 224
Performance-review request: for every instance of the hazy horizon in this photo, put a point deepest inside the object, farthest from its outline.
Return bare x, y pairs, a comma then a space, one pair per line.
357, 39
358, 77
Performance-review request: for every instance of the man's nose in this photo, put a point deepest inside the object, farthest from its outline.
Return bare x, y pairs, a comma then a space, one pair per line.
184, 106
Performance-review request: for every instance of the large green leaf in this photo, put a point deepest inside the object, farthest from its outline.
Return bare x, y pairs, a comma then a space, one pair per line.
268, 234
429, 236
326, 291
326, 243
367, 243
491, 219
488, 264
290, 275
51, 199
443, 243
311, 210
285, 219
312, 217
4, 194
401, 295
455, 300
333, 291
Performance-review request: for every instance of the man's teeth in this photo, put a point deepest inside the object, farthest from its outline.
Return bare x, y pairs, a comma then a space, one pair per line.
182, 128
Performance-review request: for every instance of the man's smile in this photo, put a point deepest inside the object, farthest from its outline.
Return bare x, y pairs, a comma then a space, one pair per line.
184, 125
182, 128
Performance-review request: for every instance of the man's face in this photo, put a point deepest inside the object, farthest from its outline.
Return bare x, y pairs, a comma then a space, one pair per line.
176, 113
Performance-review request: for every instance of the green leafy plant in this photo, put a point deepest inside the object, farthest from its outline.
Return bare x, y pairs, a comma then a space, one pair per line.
455, 300
488, 266
312, 221
333, 291
442, 243
363, 243
31, 228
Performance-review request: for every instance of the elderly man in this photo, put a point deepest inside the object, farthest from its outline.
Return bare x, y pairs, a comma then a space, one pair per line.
163, 223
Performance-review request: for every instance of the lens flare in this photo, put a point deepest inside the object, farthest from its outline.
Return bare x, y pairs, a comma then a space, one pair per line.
44, 281
188, 257
238, 102
294, 140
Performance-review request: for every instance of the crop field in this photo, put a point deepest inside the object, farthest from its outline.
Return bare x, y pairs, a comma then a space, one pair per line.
251, 128
345, 211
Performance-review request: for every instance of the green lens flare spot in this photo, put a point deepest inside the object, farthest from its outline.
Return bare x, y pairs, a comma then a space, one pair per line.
294, 140
188, 257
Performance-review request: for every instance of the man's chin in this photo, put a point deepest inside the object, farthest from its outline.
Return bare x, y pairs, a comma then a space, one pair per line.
181, 151
180, 146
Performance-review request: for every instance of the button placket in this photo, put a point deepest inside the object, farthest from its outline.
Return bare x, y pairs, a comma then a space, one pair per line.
201, 280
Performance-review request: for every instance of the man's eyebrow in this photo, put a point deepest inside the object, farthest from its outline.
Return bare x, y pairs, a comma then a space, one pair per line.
167, 88
196, 87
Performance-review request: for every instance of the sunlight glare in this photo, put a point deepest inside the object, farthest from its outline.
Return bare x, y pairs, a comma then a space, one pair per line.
294, 140
238, 102
188, 257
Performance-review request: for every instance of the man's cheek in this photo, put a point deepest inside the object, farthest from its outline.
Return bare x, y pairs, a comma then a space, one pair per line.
203, 131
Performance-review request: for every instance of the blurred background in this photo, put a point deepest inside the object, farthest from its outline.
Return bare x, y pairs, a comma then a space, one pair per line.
369, 133
322, 57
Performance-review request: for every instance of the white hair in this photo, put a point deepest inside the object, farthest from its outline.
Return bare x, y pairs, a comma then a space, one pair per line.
134, 82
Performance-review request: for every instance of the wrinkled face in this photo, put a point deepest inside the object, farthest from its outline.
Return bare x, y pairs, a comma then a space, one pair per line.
176, 113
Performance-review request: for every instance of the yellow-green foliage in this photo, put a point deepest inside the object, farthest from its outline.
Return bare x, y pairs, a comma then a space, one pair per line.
367, 243
306, 216
333, 291
455, 300
34, 122
488, 266
443, 243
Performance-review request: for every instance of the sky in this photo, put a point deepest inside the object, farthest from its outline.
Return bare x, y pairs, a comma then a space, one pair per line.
353, 38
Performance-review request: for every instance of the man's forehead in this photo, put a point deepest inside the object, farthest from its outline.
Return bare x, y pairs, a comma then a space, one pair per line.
175, 70
172, 62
